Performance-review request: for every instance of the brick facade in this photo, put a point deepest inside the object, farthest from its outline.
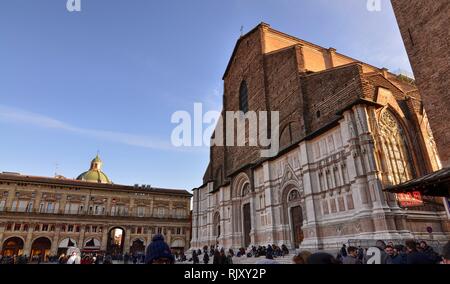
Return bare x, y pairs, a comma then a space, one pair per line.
424, 28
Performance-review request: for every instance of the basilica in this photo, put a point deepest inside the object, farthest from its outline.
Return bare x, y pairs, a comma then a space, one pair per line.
43, 216
347, 131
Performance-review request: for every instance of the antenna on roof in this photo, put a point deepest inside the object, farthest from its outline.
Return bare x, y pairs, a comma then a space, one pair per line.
242, 30
56, 169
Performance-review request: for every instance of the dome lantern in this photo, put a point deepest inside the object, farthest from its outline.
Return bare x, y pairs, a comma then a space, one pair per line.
95, 174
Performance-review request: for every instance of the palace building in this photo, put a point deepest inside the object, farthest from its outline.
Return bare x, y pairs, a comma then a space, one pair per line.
44, 216
347, 131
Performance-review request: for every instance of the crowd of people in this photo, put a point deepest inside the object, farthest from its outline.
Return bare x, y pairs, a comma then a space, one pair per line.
159, 252
411, 252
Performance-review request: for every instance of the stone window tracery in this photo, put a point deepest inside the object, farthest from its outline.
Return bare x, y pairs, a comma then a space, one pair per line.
246, 190
397, 163
293, 195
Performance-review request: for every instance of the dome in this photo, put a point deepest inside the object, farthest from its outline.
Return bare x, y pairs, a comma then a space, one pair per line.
95, 174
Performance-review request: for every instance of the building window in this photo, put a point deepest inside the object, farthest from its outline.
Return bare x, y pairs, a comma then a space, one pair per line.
25, 228
16, 227
29, 207
63, 228
141, 211
178, 231
159, 230
87, 229
36, 228
52, 228
94, 229
139, 230
396, 163
8, 227
45, 228
243, 97
77, 229
50, 207
70, 228
161, 212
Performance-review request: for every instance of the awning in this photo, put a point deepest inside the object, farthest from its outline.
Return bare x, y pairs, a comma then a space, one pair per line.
69, 242
178, 243
92, 243
434, 184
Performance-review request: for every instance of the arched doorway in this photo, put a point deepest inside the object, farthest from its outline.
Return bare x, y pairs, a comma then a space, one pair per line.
65, 244
293, 216
137, 247
41, 248
116, 239
12, 246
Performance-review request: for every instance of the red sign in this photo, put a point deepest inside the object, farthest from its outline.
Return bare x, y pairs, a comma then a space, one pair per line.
410, 199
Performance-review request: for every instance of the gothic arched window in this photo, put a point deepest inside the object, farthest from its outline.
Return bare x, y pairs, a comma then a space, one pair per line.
396, 161
243, 97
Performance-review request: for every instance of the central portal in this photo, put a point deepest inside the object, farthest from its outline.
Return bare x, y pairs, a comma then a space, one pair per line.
247, 225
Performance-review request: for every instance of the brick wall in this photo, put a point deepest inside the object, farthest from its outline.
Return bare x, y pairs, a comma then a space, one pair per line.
327, 92
247, 64
283, 92
424, 26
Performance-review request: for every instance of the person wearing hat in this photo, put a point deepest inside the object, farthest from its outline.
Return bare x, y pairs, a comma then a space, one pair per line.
158, 252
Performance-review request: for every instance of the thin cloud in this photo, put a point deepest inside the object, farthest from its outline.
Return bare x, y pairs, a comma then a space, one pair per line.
14, 115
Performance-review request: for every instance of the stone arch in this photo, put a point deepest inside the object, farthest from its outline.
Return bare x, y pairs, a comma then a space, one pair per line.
289, 133
12, 246
40, 248
397, 160
116, 227
241, 215
138, 238
23, 240
238, 184
286, 191
115, 244
137, 246
178, 243
293, 213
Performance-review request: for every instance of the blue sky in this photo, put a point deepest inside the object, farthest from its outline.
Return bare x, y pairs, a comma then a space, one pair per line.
108, 78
